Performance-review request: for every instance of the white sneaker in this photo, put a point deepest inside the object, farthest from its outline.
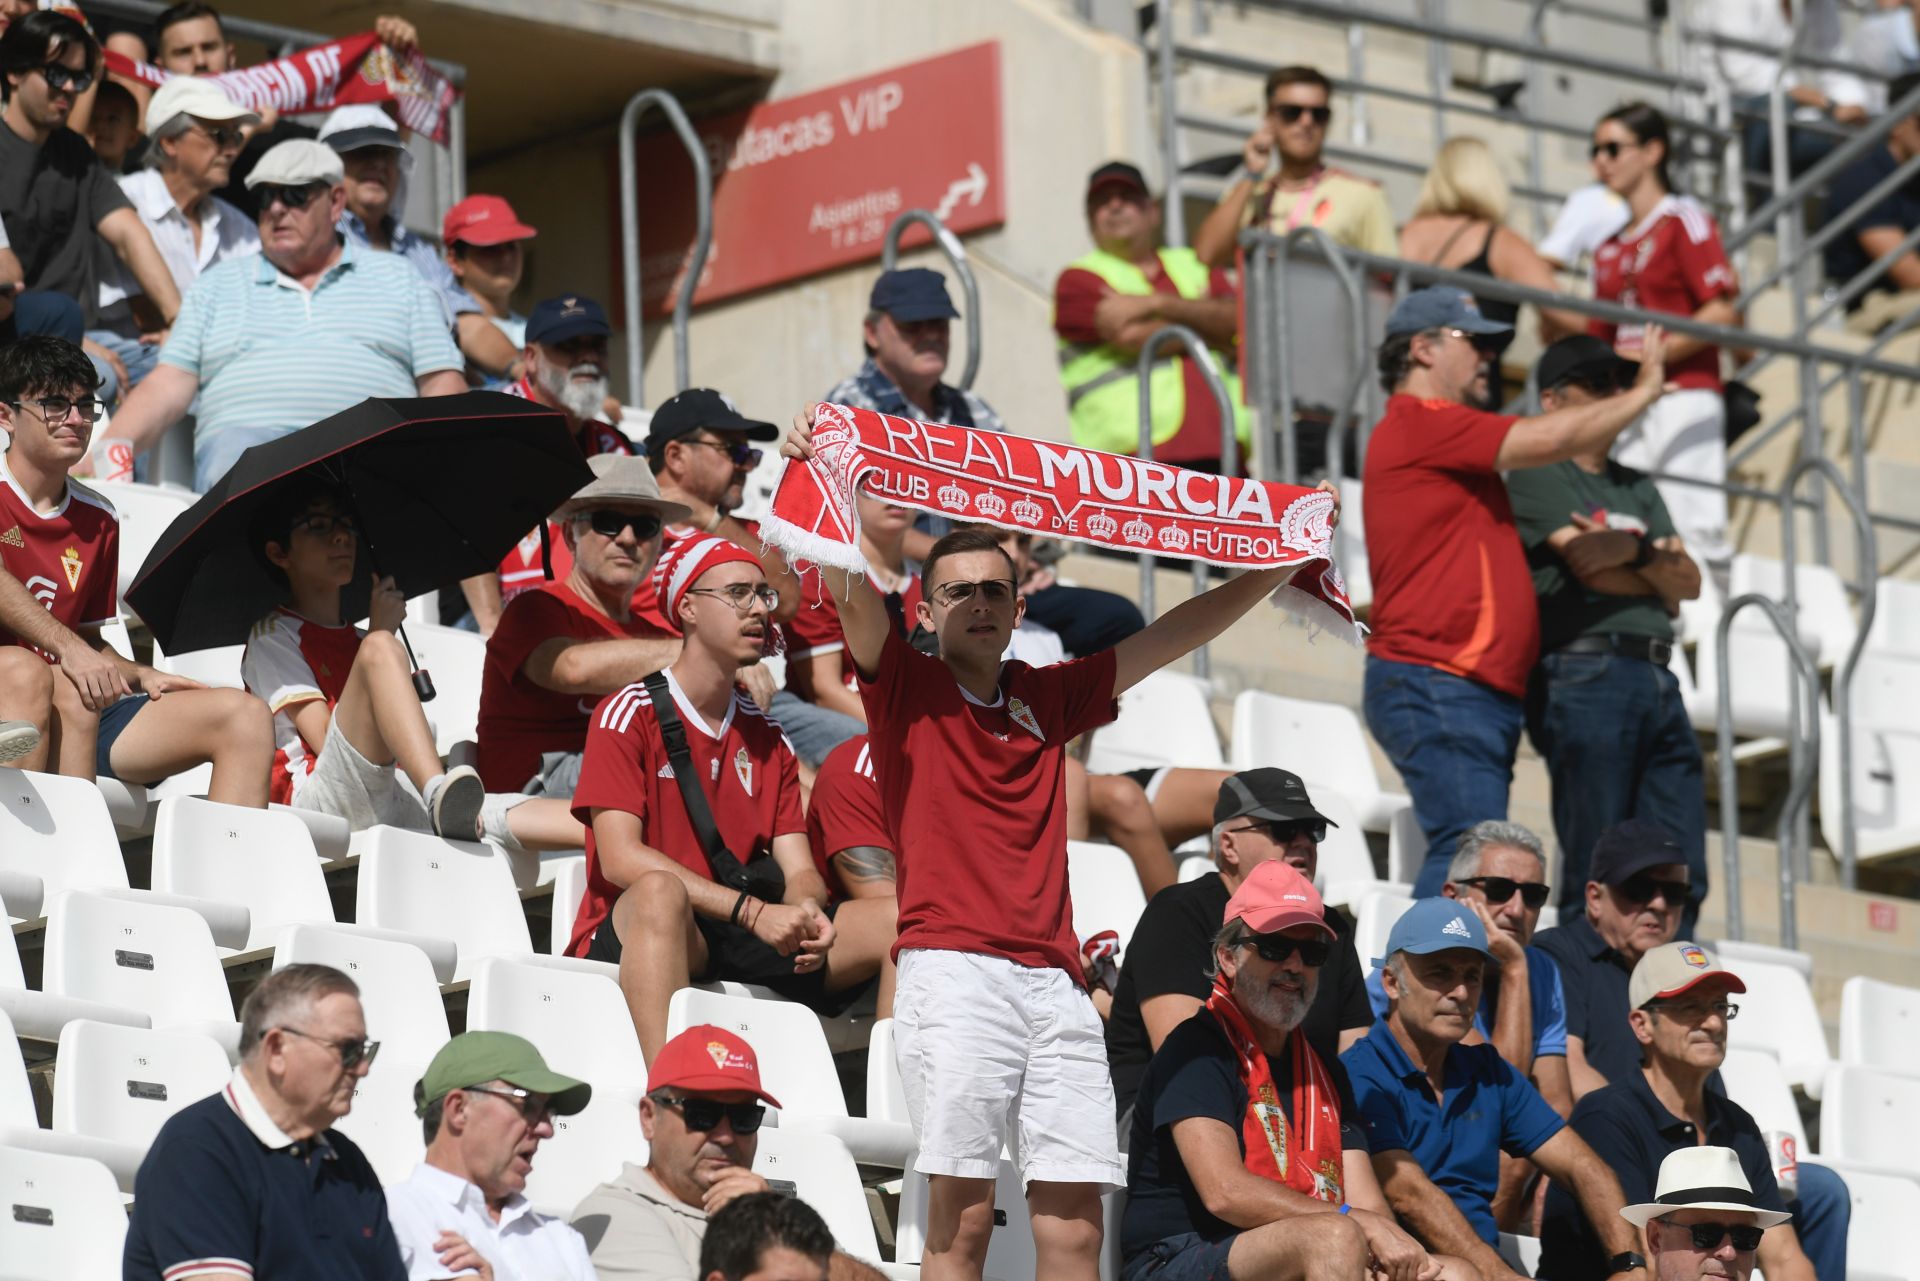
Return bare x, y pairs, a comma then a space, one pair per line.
17, 738
454, 801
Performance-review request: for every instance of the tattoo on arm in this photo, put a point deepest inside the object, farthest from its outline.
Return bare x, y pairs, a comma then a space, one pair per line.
864, 864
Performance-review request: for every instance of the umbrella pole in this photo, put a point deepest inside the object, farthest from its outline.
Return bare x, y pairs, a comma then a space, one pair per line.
422, 682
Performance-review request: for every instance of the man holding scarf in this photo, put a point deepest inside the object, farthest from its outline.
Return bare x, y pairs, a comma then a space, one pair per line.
1247, 1156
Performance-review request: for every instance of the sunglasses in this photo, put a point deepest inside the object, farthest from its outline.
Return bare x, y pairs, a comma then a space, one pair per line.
1707, 1236
62, 77
1290, 112
221, 136
704, 1114
1278, 947
290, 198
54, 409
1611, 150
997, 591
533, 1108
742, 454
1499, 889
608, 523
1283, 831
352, 1053
1642, 889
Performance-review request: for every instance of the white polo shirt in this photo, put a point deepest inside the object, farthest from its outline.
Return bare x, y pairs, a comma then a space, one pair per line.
523, 1245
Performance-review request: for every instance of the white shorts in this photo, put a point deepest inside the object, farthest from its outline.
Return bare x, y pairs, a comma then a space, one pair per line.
348, 785
996, 1054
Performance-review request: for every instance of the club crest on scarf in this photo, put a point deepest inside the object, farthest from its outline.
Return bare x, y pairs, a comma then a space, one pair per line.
1273, 1123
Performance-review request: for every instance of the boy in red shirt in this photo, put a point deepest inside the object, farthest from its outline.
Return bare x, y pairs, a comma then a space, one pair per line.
660, 903
997, 1040
93, 712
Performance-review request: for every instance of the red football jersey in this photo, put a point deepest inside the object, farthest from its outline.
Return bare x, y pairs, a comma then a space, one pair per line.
845, 810
815, 629
975, 796
1670, 261
747, 770
520, 720
68, 558
291, 660
1451, 588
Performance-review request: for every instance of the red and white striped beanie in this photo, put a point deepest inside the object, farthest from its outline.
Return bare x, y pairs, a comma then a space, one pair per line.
681, 565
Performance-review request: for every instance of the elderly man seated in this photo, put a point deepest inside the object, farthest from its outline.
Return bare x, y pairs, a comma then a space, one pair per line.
1704, 1221
1245, 1157
1439, 1112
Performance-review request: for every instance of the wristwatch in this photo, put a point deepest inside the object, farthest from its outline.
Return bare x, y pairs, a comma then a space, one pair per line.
1626, 1262
1643, 557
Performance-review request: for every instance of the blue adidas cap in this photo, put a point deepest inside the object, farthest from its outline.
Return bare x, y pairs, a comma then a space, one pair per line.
1435, 925
1441, 307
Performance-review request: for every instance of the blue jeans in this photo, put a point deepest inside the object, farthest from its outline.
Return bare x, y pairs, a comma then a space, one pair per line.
139, 357
814, 730
46, 313
1618, 745
1453, 741
1821, 1218
1088, 619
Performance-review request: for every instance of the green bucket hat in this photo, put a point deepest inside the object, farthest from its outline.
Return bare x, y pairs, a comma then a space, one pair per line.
474, 1058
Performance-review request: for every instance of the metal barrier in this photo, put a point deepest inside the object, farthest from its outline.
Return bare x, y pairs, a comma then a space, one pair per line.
1804, 769
957, 259
630, 235
1196, 351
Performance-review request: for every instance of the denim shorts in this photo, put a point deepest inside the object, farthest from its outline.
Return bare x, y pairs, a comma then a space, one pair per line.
113, 722
1187, 1257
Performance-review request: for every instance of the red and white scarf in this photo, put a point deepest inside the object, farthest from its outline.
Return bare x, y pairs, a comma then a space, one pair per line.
335, 74
1055, 491
1306, 1154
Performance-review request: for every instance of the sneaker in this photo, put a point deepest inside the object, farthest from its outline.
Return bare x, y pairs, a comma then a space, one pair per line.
455, 804
17, 738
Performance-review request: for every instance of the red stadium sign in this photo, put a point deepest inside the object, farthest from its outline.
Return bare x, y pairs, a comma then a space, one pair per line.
809, 184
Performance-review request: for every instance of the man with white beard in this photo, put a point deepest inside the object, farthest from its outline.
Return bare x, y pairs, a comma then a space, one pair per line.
566, 361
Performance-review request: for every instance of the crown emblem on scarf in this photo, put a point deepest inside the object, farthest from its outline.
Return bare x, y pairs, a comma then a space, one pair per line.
991, 505
1102, 525
1028, 512
952, 496
1137, 531
1174, 538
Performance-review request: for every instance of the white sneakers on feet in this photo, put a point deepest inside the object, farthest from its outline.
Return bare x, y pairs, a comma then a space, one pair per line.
17, 738
453, 803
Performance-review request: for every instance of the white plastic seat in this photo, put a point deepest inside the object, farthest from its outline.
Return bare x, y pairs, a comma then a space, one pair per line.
1753, 1079
1880, 1025
382, 1123
1826, 613
1885, 1208
1762, 683
458, 890
1344, 873
886, 1092
569, 891
120, 1084
1734, 953
1167, 719
58, 829
1195, 866
1324, 743
1407, 847
824, 1175
1886, 759
1778, 1015
1896, 618
1350, 545
1866, 1116
455, 660
1373, 919
796, 1066
140, 955
39, 1016
145, 511
1522, 1252
219, 666
399, 991
1010, 1251
262, 858
1106, 890
589, 1147
65, 1218
16, 1095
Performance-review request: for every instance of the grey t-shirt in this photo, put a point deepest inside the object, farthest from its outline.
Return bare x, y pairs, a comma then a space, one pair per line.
52, 198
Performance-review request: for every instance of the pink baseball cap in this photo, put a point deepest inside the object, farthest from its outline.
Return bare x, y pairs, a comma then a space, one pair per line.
483, 220
1275, 897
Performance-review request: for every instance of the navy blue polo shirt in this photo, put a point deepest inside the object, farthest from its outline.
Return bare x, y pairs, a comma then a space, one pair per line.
224, 1190
1593, 980
1632, 1133
1899, 209
1488, 1108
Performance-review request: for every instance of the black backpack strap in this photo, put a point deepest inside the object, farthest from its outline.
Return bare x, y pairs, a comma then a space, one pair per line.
726, 865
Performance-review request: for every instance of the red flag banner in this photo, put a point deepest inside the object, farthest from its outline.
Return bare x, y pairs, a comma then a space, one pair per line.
338, 73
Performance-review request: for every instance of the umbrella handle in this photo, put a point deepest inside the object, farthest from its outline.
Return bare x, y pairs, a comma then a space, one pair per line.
422, 682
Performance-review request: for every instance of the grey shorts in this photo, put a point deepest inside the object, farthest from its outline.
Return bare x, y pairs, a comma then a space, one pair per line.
558, 775
347, 785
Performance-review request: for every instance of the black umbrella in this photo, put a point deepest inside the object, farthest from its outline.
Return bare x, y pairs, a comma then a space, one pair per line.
442, 488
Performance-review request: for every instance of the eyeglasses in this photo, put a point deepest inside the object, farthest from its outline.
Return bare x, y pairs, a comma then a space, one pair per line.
742, 596
292, 199
705, 1114
1278, 947
322, 524
1283, 831
533, 1108
1694, 1011
352, 1053
1642, 889
608, 523
221, 136
61, 77
54, 409
996, 591
1499, 889
1707, 1236
742, 454
1611, 150
1290, 112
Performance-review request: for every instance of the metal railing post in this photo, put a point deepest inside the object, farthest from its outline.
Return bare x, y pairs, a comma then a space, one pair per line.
630, 235
957, 259
1175, 214
1359, 128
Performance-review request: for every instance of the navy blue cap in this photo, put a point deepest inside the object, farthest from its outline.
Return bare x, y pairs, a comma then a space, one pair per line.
568, 316
1630, 847
1441, 307
913, 293
1435, 925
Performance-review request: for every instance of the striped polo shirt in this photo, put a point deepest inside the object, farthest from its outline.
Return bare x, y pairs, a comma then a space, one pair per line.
269, 353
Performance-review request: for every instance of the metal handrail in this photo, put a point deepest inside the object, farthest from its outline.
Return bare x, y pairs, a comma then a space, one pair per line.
1835, 225
630, 235
1868, 137
957, 259
1868, 566
1751, 442
1173, 216
1804, 768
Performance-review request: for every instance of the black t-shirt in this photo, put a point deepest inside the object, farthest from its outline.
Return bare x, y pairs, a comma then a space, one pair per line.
1899, 209
1594, 977
52, 199
1168, 956
1195, 1074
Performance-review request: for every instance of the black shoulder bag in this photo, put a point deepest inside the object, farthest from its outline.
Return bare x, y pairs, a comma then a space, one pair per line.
761, 878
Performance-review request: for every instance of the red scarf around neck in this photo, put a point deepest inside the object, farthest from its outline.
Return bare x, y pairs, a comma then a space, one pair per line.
1304, 1155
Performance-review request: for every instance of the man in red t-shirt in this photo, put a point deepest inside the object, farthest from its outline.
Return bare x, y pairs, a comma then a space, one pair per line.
563, 646
847, 825
1456, 628
998, 1042
659, 903
93, 712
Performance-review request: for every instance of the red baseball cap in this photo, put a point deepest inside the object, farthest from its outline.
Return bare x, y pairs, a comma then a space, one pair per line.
1275, 897
708, 1059
483, 220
